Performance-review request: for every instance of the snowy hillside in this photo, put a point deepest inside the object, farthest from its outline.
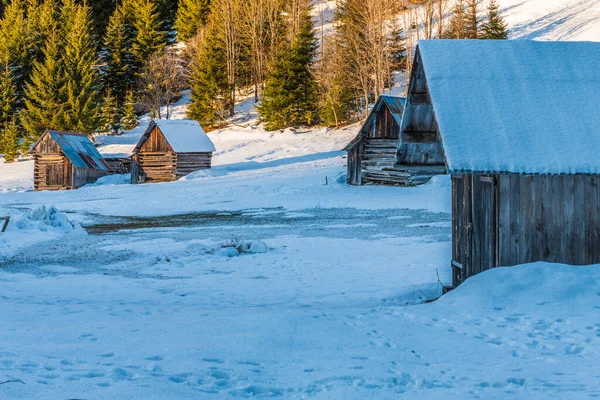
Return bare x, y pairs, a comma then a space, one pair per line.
553, 19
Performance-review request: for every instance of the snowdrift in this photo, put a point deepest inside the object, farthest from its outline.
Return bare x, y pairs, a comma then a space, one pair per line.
538, 284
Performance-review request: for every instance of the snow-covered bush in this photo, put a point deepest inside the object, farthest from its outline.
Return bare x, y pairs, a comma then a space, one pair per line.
45, 218
236, 247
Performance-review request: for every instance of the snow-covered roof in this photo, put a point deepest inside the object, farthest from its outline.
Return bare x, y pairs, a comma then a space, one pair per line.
185, 136
516, 106
79, 149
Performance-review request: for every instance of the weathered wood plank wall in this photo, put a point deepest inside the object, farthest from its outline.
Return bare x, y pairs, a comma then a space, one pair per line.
551, 218
191, 162
511, 219
354, 164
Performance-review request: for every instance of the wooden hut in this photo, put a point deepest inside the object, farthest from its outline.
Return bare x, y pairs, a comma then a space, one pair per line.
372, 154
66, 160
520, 130
169, 150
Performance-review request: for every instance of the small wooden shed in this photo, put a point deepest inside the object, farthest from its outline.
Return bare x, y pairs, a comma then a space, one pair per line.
372, 153
66, 160
169, 150
520, 129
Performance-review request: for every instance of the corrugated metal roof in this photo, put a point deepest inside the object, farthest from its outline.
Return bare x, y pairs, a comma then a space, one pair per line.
79, 150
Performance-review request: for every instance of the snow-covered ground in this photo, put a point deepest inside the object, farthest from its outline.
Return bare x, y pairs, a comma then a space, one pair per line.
325, 299
267, 276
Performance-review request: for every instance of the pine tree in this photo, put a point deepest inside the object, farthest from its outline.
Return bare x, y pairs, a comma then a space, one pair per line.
472, 19
149, 37
208, 80
101, 12
8, 97
15, 44
129, 120
45, 95
9, 140
167, 10
110, 117
81, 75
42, 22
119, 62
458, 27
494, 27
291, 94
191, 16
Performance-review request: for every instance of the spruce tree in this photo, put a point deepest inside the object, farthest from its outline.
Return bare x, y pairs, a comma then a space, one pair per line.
149, 38
110, 117
191, 16
15, 44
101, 12
208, 80
45, 94
9, 140
8, 96
472, 19
167, 10
42, 21
494, 27
291, 96
129, 120
81, 75
119, 61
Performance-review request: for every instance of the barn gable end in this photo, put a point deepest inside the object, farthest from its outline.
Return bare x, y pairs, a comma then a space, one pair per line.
419, 143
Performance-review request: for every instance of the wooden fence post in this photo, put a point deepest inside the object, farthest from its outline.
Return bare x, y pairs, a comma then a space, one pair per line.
5, 224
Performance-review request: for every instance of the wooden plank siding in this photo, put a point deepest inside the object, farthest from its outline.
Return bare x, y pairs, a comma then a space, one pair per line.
419, 144
52, 172
191, 162
520, 219
386, 126
354, 164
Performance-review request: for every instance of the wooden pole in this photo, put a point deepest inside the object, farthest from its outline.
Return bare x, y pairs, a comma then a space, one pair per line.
5, 225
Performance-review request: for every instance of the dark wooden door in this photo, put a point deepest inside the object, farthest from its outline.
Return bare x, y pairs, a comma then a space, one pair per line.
55, 174
461, 226
485, 224
474, 225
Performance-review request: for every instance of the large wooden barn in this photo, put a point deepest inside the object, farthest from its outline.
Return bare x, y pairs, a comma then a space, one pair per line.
520, 129
66, 160
169, 150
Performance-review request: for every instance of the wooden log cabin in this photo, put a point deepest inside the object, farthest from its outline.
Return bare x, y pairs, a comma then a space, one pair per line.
371, 155
520, 129
66, 160
169, 150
